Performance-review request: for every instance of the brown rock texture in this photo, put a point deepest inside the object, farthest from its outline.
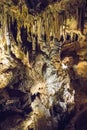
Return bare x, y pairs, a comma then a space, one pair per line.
43, 65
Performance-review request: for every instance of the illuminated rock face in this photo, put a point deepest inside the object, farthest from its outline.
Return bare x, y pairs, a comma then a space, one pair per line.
42, 92
43, 64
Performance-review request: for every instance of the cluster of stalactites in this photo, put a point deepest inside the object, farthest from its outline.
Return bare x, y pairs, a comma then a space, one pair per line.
43, 25
27, 28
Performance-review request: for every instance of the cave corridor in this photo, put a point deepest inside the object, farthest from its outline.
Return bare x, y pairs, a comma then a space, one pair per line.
43, 64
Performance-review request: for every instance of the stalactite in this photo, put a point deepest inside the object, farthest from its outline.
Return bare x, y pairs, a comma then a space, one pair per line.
19, 36
39, 28
8, 42
34, 44
0, 25
56, 24
34, 35
44, 26
1, 34
29, 33
51, 25
20, 6
4, 35
47, 28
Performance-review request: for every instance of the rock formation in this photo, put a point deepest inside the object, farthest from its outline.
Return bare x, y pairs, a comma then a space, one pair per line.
43, 65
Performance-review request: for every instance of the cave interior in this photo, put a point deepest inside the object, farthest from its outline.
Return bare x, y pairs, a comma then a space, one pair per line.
43, 65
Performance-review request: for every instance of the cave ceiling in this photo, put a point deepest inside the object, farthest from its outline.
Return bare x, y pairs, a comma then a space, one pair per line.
37, 6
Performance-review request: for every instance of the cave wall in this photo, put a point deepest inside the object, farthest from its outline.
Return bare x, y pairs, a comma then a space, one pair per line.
39, 89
